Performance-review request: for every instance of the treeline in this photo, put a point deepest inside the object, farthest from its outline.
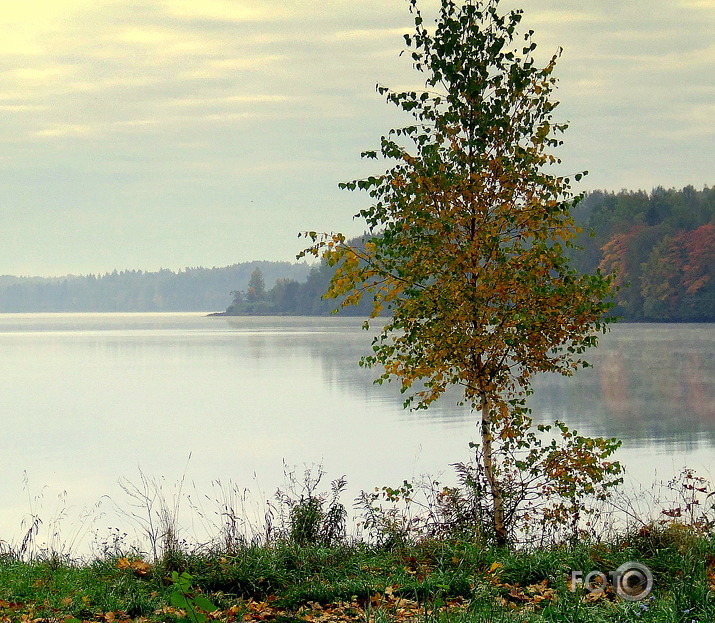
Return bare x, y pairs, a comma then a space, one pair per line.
289, 297
192, 289
662, 247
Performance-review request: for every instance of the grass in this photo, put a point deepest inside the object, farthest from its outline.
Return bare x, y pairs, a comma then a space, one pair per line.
302, 566
431, 580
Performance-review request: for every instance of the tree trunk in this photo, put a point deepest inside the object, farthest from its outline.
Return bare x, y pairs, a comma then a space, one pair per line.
488, 459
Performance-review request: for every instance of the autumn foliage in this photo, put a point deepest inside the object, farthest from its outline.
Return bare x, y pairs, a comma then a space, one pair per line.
660, 248
468, 232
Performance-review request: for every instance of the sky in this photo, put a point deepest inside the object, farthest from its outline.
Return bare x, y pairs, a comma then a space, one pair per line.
148, 134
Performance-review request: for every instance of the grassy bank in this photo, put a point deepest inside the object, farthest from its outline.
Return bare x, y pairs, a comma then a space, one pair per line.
422, 554
430, 580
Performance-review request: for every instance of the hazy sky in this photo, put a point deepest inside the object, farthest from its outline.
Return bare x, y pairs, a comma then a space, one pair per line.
172, 133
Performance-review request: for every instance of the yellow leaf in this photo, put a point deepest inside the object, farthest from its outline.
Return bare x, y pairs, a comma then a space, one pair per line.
140, 567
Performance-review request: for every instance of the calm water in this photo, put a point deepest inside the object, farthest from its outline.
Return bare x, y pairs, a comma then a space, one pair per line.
89, 399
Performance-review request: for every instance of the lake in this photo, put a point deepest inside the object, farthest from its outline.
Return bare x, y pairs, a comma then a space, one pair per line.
92, 400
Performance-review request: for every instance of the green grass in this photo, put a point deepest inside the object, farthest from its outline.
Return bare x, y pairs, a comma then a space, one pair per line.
432, 581
303, 567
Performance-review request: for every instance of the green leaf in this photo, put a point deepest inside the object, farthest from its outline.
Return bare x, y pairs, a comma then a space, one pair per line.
179, 600
204, 603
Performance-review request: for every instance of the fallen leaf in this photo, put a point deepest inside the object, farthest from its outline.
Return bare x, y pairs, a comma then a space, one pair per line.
495, 566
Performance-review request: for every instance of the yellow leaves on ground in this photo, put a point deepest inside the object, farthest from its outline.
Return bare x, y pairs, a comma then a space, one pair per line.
395, 608
495, 567
711, 573
514, 596
138, 566
392, 602
531, 595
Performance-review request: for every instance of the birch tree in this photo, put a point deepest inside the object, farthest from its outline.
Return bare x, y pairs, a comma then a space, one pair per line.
467, 231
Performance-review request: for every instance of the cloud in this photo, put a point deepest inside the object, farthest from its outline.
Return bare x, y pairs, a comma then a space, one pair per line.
225, 67
185, 107
23, 107
362, 34
235, 99
224, 10
66, 130
585, 15
107, 65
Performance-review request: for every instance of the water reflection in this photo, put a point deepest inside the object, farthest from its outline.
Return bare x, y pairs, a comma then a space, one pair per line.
87, 398
649, 384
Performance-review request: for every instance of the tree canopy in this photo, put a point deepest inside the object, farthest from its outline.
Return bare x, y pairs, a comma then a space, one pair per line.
662, 247
469, 227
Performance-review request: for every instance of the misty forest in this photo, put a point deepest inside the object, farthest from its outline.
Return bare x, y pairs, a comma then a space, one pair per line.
662, 245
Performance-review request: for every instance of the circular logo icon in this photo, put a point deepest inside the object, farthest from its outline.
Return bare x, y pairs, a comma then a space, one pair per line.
633, 581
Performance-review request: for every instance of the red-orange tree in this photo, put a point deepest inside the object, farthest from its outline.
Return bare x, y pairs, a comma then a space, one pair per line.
468, 229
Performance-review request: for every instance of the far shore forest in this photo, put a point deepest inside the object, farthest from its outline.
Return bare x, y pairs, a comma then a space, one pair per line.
661, 244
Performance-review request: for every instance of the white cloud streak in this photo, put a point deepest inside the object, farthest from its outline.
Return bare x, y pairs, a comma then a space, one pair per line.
195, 108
